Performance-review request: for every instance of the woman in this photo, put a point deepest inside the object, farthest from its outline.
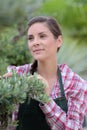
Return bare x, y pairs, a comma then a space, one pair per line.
66, 90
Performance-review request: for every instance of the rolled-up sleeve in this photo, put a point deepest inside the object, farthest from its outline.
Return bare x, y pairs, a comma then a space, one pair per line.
19, 69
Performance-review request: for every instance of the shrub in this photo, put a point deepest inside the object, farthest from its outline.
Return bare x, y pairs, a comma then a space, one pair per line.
13, 52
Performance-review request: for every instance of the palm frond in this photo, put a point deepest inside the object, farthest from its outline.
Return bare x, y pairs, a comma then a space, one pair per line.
75, 55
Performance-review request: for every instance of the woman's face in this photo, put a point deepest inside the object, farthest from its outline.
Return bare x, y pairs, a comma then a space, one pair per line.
41, 42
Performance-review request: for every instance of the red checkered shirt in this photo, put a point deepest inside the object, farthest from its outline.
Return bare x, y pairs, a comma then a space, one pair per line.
76, 94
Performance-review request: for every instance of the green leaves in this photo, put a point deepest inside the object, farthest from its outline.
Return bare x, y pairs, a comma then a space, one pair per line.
74, 54
17, 11
71, 14
12, 53
36, 89
16, 89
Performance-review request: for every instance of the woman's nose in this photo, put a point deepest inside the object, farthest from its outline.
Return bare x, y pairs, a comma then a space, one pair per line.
36, 42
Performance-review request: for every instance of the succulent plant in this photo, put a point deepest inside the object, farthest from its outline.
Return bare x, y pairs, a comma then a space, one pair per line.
15, 90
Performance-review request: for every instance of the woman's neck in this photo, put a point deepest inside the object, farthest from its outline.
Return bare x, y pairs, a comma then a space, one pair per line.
47, 69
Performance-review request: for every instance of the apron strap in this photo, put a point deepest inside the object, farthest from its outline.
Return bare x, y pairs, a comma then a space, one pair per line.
61, 83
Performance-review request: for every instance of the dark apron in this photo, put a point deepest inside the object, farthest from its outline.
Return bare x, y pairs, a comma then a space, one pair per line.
30, 115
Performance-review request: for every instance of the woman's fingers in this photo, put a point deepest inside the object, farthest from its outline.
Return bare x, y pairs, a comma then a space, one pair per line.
7, 75
39, 77
46, 89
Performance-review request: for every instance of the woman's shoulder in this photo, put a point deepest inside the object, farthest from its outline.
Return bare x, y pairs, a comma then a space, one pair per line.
70, 75
68, 71
65, 69
20, 69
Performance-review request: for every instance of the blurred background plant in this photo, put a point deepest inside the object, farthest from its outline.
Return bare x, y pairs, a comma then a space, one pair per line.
12, 51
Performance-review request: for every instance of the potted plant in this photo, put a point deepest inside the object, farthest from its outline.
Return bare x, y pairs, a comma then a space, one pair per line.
15, 90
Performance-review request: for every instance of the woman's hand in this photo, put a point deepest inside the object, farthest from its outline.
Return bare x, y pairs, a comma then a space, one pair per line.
46, 90
41, 92
6, 75
9, 74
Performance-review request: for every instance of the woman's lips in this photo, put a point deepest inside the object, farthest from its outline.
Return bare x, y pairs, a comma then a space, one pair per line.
38, 50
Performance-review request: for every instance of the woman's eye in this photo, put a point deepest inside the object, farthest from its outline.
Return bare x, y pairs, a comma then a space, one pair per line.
42, 36
30, 38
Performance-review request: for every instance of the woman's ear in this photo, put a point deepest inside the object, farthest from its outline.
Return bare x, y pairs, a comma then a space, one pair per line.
59, 41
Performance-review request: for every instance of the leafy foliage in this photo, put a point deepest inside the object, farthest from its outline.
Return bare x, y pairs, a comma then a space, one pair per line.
13, 53
15, 90
70, 13
14, 12
74, 55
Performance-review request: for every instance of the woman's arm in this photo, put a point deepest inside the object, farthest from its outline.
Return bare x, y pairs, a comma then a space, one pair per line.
77, 106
